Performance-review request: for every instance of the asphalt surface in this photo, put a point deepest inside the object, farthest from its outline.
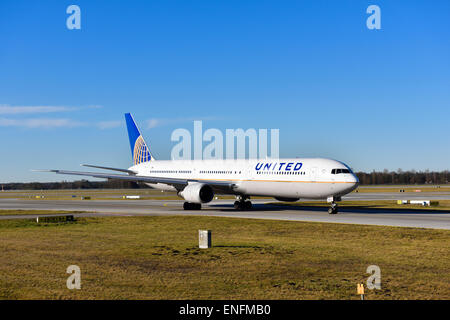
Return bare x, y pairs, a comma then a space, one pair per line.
260, 210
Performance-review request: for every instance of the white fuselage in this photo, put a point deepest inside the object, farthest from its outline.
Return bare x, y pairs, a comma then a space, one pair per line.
307, 178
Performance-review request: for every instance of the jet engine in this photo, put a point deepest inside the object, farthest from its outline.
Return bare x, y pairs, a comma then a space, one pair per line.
197, 193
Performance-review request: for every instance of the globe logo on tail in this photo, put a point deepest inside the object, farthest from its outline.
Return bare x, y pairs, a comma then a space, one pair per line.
141, 152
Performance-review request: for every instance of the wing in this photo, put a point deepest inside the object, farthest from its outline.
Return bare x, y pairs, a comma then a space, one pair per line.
109, 168
179, 184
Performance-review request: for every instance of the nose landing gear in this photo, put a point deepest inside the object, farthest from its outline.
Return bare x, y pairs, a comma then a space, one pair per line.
333, 209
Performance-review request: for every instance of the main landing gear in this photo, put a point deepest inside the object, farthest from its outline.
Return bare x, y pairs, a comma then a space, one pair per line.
242, 203
192, 206
333, 209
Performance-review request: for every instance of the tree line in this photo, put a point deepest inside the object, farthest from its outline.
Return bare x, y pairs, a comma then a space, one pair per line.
404, 177
372, 178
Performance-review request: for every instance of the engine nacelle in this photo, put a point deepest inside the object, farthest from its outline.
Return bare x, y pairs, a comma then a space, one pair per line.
197, 193
287, 199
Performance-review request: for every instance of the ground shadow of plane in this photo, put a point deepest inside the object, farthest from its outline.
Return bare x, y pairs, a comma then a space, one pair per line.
359, 209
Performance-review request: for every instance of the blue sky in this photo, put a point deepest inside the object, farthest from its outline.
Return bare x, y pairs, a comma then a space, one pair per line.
374, 99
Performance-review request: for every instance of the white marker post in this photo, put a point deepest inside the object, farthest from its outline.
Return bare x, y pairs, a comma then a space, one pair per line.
204, 239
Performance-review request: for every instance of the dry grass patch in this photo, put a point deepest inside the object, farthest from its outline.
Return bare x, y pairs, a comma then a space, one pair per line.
158, 258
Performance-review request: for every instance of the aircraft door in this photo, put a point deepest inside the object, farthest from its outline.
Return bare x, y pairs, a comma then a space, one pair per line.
313, 173
250, 173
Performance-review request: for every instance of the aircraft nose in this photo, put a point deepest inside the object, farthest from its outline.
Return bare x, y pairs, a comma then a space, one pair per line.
353, 181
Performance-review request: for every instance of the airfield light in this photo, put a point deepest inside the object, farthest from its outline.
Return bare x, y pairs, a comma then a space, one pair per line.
360, 290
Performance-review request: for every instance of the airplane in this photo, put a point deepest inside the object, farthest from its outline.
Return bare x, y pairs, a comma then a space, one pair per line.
197, 181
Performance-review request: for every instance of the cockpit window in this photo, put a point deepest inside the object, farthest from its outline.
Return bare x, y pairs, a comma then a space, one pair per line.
338, 171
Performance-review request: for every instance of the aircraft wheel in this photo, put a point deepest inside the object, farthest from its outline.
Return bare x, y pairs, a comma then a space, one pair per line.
191, 206
333, 210
242, 205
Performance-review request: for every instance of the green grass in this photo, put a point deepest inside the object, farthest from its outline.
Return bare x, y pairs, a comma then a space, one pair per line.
162, 197
443, 205
100, 194
407, 188
35, 212
151, 194
158, 258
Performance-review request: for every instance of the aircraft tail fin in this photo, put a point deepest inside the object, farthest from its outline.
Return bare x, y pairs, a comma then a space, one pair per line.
139, 149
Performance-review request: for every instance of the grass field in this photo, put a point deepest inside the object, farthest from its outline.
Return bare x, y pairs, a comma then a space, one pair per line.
34, 212
443, 205
158, 258
95, 194
147, 193
407, 188
98, 194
